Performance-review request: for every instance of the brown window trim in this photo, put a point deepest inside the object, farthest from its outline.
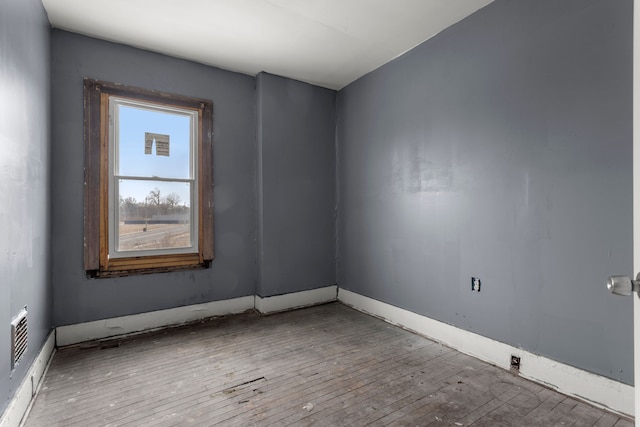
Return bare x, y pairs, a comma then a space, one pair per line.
96, 214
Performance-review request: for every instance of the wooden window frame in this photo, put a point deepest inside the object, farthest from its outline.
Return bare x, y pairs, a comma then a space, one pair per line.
96, 183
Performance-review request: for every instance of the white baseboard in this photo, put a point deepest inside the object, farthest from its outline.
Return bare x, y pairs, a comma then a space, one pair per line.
296, 299
125, 325
19, 405
99, 329
594, 389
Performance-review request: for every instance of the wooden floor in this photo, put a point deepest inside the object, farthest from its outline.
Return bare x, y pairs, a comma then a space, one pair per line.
327, 366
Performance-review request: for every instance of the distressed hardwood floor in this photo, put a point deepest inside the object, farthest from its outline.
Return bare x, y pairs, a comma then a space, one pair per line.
327, 366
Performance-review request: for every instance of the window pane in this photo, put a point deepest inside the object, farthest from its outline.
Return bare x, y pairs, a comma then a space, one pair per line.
153, 143
154, 215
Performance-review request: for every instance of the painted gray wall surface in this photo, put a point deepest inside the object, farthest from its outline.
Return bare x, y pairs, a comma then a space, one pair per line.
24, 182
296, 185
502, 149
233, 273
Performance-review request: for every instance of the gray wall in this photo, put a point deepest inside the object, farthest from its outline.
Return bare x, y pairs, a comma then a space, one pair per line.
24, 182
501, 148
296, 185
233, 273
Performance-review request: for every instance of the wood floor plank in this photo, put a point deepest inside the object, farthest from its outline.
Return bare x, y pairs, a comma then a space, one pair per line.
606, 420
319, 378
623, 423
320, 392
388, 391
251, 370
337, 393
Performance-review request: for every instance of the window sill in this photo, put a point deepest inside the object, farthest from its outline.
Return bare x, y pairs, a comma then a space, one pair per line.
121, 267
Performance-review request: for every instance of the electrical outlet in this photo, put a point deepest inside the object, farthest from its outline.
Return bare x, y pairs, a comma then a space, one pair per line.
515, 363
475, 284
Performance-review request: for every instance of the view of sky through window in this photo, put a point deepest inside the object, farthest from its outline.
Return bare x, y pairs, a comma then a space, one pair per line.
132, 161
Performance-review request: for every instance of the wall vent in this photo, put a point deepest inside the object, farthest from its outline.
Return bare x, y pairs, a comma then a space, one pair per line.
18, 337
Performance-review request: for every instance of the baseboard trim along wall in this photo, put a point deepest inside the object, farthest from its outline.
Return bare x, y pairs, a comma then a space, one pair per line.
126, 325
594, 389
143, 322
20, 404
293, 300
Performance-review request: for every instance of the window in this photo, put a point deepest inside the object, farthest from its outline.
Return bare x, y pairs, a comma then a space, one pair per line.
148, 181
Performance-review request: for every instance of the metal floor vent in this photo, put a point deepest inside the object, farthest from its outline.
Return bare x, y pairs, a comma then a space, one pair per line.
18, 337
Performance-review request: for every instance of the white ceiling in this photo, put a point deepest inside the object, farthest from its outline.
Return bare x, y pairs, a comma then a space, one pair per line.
325, 42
